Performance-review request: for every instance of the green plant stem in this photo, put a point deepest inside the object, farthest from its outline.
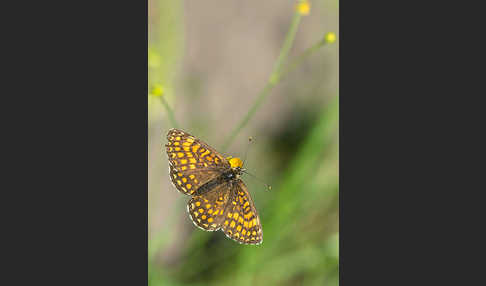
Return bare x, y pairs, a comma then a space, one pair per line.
298, 60
273, 80
169, 112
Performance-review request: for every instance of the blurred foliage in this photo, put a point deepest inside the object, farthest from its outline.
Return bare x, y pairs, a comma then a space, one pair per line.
299, 215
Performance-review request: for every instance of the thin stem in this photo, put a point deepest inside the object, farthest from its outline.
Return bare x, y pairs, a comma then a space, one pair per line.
273, 80
298, 60
169, 112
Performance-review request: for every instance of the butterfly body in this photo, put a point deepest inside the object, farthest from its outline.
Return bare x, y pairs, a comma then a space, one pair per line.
219, 198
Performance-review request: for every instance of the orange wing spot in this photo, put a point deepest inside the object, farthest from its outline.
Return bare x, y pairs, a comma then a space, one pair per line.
188, 186
180, 154
217, 211
203, 216
186, 144
250, 224
190, 140
226, 222
192, 177
176, 144
192, 160
230, 215
237, 235
236, 216
173, 155
241, 200
246, 204
210, 219
194, 148
202, 150
245, 223
179, 174
208, 206
177, 149
240, 219
192, 166
183, 161
198, 204
178, 138
243, 232
209, 158
254, 221
216, 160
201, 210
186, 148
249, 215
210, 211
183, 168
238, 228
254, 233
205, 153
232, 224
252, 238
184, 180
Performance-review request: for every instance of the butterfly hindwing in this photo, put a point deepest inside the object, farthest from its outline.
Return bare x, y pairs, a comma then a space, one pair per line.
241, 221
207, 210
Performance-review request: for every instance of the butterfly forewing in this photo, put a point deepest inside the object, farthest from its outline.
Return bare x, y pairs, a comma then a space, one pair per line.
241, 221
191, 162
190, 153
187, 182
207, 210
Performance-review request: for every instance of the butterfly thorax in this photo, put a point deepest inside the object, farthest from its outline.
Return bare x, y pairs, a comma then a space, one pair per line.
230, 175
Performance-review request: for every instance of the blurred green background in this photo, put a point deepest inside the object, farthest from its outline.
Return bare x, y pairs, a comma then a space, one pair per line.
208, 60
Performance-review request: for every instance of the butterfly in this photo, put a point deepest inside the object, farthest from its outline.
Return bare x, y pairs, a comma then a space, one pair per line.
219, 198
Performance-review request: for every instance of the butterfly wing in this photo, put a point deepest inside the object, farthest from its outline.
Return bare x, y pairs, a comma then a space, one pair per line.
241, 221
192, 162
207, 210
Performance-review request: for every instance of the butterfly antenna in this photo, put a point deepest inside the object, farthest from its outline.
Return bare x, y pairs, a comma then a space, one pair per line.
260, 180
247, 147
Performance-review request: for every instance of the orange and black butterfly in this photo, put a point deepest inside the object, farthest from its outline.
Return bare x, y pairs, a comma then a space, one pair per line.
219, 198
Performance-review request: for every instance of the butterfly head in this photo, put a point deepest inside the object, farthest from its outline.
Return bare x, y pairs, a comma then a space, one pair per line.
236, 165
